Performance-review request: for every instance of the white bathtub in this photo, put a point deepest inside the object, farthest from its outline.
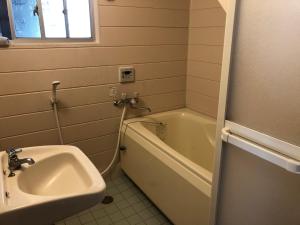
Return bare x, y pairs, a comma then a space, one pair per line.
172, 162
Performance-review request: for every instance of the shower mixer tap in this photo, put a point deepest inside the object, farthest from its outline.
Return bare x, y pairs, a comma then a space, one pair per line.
132, 102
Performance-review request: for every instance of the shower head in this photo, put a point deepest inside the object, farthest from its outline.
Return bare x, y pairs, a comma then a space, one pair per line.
55, 84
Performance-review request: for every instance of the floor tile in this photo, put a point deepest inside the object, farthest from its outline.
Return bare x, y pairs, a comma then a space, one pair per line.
153, 221
116, 216
99, 213
104, 221
130, 207
134, 219
129, 211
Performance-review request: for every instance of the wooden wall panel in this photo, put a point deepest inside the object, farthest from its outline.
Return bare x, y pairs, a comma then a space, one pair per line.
151, 35
206, 34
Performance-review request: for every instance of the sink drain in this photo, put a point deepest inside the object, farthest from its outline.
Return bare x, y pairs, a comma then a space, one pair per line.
107, 200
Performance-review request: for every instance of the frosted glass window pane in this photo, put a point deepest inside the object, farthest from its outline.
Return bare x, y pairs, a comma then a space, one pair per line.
79, 18
54, 18
25, 22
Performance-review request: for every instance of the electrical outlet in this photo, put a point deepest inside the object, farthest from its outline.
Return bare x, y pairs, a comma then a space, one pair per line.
126, 74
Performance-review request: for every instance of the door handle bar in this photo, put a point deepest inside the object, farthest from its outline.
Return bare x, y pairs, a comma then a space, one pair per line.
266, 153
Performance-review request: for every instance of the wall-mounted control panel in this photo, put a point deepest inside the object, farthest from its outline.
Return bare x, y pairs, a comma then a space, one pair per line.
126, 74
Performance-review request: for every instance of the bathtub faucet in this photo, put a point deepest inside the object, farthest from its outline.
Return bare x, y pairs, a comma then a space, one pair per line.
132, 102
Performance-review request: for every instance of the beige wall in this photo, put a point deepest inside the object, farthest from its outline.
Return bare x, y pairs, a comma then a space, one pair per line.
151, 35
206, 34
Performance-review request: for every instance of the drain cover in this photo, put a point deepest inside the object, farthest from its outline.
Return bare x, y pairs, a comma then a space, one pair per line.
107, 200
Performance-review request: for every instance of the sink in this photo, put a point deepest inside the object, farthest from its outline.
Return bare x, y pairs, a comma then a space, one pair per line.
62, 182
66, 176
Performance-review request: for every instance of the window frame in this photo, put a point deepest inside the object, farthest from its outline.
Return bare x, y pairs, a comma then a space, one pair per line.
43, 38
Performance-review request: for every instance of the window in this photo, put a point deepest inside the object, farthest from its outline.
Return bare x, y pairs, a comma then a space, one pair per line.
48, 19
4, 20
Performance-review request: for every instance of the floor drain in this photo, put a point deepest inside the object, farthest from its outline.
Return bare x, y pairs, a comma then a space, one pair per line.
107, 200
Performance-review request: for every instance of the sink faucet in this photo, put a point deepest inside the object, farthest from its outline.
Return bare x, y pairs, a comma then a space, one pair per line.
14, 163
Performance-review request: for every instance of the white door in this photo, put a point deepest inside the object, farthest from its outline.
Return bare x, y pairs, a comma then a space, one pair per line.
258, 161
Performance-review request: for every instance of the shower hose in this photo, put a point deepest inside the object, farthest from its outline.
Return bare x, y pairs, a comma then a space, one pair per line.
58, 123
116, 153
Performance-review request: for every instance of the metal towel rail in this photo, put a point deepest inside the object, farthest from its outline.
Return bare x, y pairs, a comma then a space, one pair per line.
273, 150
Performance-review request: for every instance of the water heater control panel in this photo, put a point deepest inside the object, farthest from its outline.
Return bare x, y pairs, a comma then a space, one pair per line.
126, 74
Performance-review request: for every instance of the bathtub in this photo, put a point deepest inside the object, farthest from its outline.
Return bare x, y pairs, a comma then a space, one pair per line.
170, 157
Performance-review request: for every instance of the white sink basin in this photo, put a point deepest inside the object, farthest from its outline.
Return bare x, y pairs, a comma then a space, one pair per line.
62, 182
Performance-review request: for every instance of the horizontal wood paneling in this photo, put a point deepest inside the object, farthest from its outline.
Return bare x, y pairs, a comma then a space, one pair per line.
158, 103
99, 144
203, 86
102, 159
167, 4
63, 58
205, 51
204, 4
142, 36
88, 130
130, 16
214, 17
209, 71
202, 103
46, 137
206, 36
150, 35
40, 101
38, 81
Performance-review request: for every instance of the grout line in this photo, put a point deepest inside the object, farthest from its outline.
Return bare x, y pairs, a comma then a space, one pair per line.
88, 139
63, 127
201, 93
203, 27
97, 66
198, 93
100, 153
97, 45
91, 122
203, 61
203, 78
144, 26
76, 124
94, 103
206, 27
29, 133
90, 86
205, 44
92, 67
142, 7
208, 8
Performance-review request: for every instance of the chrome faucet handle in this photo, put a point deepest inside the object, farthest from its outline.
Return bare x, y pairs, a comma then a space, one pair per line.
12, 152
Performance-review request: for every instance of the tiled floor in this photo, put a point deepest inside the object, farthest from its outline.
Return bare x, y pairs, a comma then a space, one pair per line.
130, 207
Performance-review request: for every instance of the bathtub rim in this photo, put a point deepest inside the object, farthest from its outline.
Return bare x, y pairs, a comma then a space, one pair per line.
142, 131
